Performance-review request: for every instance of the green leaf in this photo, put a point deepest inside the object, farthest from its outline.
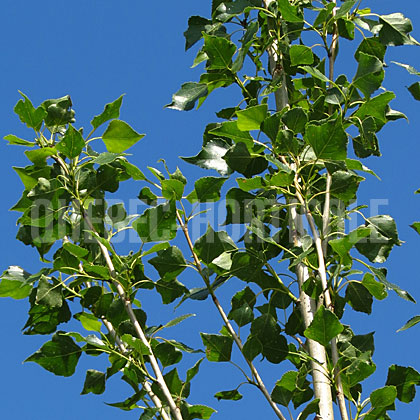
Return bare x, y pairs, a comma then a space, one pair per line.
359, 297
231, 130
345, 8
252, 117
117, 213
395, 30
170, 290
274, 345
172, 189
301, 54
382, 238
315, 73
289, 12
177, 320
59, 356
233, 395
111, 111
200, 412
227, 10
192, 372
416, 225
410, 323
136, 344
409, 68
72, 143
383, 397
415, 90
169, 263
38, 156
132, 170
12, 139
295, 119
219, 50
246, 41
311, 408
343, 245
167, 354
324, 327
404, 379
242, 315
376, 289
75, 250
208, 188
380, 274
252, 348
28, 114
94, 382
15, 283
48, 294
187, 96
328, 139
218, 347
105, 158
119, 136
240, 159
59, 112
147, 196
212, 244
372, 47
370, 74
89, 321
196, 26
211, 157
157, 224
283, 391
376, 108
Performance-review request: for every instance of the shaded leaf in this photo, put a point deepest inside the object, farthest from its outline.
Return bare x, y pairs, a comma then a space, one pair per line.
233, 395
404, 379
59, 356
94, 382
218, 347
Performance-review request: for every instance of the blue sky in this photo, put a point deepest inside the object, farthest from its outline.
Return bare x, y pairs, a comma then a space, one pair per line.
95, 51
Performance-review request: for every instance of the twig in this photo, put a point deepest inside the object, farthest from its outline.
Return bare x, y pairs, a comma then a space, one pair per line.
146, 385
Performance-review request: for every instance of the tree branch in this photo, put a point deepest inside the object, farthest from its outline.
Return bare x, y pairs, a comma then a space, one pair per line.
146, 385
321, 382
137, 327
259, 382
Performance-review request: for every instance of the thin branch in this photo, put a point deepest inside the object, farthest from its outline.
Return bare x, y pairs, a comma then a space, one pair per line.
259, 382
146, 385
137, 327
129, 309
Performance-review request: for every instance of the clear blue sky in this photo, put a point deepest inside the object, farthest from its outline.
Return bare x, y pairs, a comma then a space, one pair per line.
95, 50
